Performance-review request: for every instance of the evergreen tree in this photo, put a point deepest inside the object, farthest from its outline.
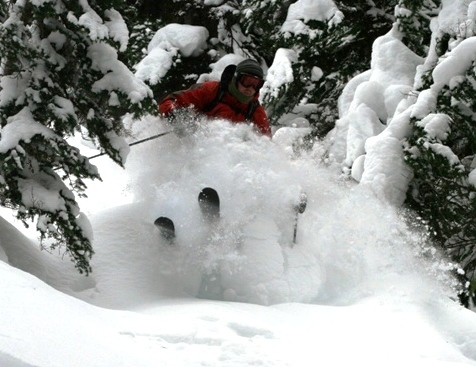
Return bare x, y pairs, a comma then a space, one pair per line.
263, 39
413, 20
327, 53
185, 69
440, 190
60, 76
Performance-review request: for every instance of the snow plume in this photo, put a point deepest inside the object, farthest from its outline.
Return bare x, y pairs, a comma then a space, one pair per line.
368, 254
340, 255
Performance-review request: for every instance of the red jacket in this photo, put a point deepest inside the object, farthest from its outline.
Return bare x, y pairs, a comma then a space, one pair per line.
228, 107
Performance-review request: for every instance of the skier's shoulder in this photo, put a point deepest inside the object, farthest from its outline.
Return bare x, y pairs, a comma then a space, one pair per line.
210, 86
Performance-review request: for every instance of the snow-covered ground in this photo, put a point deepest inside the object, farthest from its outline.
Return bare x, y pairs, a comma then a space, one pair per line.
359, 287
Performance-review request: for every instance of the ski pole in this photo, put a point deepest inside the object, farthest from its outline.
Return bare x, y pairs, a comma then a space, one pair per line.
137, 142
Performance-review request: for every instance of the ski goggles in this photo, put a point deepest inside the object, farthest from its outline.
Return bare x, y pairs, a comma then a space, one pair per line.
247, 81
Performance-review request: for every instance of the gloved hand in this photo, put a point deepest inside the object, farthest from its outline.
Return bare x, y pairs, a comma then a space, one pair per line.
184, 121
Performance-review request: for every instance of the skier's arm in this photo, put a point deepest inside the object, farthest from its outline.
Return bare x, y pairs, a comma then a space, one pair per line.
260, 120
198, 96
166, 106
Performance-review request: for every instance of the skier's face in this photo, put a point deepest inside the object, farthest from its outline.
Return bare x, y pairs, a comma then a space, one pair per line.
247, 91
249, 84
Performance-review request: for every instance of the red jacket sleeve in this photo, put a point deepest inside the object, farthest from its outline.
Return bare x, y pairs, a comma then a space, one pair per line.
166, 106
260, 119
198, 95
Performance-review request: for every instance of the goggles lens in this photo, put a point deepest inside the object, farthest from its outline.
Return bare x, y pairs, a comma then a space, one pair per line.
248, 81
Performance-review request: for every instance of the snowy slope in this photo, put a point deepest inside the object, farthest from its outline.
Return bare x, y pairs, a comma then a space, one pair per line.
358, 287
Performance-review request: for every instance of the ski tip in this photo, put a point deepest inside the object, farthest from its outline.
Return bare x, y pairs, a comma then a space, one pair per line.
209, 202
166, 227
209, 194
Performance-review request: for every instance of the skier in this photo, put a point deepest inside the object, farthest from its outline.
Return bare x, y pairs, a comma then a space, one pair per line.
234, 98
